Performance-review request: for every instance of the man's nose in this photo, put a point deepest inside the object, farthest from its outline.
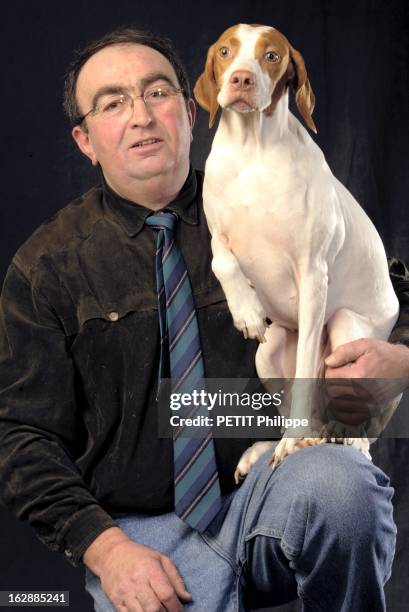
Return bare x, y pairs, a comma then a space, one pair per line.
140, 113
242, 80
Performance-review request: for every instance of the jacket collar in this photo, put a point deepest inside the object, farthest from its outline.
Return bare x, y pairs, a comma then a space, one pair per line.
131, 216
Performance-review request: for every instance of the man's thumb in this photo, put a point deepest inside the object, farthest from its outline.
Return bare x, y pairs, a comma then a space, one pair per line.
345, 354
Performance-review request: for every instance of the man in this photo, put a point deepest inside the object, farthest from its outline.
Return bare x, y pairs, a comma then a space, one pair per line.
80, 455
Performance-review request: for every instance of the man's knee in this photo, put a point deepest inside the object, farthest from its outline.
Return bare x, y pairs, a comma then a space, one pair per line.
333, 471
332, 490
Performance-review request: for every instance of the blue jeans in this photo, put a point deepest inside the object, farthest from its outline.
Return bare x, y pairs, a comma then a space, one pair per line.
319, 527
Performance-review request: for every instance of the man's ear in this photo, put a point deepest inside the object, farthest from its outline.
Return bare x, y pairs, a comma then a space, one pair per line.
83, 141
191, 111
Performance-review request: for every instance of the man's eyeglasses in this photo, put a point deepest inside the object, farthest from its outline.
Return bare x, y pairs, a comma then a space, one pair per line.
120, 106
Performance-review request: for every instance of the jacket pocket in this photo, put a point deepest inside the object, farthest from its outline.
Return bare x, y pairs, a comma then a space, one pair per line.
110, 312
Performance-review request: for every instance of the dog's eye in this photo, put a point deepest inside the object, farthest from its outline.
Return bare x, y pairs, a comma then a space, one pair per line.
272, 56
224, 51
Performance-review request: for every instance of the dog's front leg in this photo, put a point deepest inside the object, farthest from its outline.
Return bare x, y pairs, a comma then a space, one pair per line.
313, 287
247, 312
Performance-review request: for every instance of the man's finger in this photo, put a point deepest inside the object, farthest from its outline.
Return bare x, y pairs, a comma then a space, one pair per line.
348, 412
166, 594
135, 606
346, 353
148, 600
346, 373
338, 377
349, 385
127, 605
175, 578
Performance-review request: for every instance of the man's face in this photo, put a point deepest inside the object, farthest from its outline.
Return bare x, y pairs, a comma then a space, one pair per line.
134, 68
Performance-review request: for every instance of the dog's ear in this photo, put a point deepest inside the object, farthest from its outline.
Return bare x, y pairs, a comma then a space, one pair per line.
205, 90
304, 96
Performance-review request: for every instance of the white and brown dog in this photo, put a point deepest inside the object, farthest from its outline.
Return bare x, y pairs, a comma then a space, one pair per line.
289, 242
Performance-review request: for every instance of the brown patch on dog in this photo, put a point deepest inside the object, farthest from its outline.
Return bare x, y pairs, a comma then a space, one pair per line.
208, 84
304, 96
273, 41
290, 69
220, 63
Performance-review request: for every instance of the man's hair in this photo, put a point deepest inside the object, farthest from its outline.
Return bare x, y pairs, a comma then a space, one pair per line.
118, 37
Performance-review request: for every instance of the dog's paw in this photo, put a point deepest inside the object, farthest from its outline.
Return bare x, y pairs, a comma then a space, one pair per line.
336, 429
362, 444
249, 317
288, 446
337, 433
249, 458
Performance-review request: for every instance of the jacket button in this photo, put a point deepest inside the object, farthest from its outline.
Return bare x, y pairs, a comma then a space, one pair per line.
113, 316
67, 552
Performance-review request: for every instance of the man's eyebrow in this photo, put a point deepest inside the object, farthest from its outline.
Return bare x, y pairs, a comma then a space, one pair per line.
156, 76
105, 91
118, 89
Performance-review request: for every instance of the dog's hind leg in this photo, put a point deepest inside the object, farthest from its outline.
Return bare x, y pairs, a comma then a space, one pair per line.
345, 326
276, 357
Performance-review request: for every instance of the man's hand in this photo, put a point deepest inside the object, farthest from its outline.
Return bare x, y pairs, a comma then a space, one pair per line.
134, 577
368, 358
351, 370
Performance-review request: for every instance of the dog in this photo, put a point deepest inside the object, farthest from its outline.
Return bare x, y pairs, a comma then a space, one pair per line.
289, 241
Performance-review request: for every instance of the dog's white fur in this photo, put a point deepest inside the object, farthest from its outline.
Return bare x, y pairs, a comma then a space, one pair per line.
289, 241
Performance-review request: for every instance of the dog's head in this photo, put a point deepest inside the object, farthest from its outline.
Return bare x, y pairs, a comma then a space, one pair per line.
248, 68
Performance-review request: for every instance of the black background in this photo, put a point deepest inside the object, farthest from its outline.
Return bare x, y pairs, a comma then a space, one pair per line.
357, 60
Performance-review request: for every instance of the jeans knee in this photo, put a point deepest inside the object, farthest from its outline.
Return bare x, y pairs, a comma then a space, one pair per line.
342, 478
334, 492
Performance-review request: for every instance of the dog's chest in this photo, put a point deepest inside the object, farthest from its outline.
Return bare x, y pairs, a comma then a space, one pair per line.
262, 234
262, 200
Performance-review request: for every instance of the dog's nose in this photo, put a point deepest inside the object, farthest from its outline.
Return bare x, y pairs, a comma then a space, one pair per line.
243, 79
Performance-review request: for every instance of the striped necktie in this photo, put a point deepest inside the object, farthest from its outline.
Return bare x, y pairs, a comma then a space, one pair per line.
197, 487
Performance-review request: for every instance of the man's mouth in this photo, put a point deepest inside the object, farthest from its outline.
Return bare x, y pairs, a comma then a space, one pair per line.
146, 142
